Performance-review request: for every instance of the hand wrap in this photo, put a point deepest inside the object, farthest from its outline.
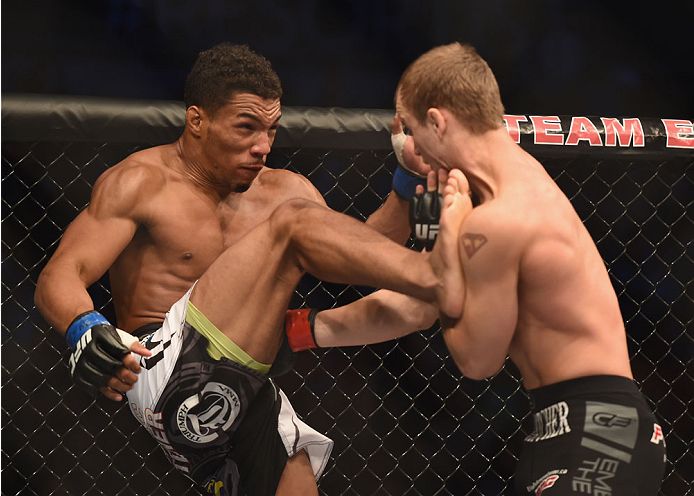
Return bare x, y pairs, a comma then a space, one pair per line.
299, 327
98, 350
425, 210
405, 181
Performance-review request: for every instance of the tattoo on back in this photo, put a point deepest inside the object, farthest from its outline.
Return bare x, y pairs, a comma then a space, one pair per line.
473, 242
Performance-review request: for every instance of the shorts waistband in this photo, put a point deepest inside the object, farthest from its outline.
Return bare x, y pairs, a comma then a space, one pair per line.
546, 395
141, 332
218, 344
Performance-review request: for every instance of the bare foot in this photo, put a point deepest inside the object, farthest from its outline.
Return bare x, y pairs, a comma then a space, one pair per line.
445, 257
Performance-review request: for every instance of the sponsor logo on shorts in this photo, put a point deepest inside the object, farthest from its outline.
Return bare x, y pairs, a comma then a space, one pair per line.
546, 481
157, 348
594, 477
154, 424
203, 415
617, 424
657, 434
550, 422
216, 487
606, 419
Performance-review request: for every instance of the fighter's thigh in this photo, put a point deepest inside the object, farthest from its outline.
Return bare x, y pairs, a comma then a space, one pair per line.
297, 478
248, 287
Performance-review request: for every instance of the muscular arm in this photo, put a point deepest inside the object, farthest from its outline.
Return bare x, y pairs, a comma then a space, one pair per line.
391, 219
87, 249
480, 339
380, 316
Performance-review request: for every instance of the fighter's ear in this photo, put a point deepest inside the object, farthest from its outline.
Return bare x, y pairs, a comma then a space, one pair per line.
194, 118
437, 120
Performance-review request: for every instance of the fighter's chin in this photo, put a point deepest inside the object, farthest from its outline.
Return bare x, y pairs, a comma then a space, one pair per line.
437, 164
241, 188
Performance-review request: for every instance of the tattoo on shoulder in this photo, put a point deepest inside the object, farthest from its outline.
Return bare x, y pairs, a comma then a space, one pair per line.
473, 242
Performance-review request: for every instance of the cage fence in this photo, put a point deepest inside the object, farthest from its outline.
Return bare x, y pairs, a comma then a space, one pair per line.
403, 418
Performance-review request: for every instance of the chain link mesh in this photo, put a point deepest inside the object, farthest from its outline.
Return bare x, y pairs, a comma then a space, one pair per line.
403, 419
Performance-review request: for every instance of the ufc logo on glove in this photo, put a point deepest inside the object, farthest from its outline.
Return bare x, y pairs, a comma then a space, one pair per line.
425, 210
426, 231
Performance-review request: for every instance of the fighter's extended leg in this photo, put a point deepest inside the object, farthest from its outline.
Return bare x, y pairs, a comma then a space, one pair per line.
446, 255
245, 292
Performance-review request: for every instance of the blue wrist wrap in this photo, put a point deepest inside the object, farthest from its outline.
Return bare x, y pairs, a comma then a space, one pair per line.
80, 325
405, 183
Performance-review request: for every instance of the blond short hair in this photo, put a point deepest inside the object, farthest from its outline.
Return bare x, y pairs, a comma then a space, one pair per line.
454, 77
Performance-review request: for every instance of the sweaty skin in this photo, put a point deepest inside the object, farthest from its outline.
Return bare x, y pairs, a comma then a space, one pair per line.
532, 284
205, 209
162, 217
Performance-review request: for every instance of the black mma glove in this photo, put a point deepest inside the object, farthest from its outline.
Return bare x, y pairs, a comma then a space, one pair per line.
425, 210
98, 350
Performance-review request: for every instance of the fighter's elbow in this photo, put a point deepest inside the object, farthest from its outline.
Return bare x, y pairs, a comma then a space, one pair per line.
480, 374
39, 292
47, 285
424, 316
478, 368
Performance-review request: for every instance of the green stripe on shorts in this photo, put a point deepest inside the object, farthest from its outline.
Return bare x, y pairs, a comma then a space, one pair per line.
218, 344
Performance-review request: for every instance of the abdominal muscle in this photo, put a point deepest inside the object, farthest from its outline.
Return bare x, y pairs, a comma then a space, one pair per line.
144, 294
546, 356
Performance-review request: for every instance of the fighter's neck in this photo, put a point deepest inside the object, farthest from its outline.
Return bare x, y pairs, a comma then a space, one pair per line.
192, 165
483, 160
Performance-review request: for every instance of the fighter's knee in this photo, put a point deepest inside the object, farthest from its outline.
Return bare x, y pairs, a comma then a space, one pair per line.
291, 216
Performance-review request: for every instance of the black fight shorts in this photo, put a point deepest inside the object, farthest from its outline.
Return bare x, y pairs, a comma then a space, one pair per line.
224, 425
592, 436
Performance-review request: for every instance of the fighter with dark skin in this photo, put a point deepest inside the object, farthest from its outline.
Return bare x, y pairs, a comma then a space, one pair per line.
205, 211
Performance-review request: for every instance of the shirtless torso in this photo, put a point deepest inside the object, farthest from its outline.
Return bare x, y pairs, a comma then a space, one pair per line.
205, 213
530, 285
533, 285
569, 323
181, 231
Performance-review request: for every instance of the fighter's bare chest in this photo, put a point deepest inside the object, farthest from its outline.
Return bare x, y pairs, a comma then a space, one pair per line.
198, 232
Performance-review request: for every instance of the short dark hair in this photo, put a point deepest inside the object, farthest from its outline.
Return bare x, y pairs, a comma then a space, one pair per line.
226, 69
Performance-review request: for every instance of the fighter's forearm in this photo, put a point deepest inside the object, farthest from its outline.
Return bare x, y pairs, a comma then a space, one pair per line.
391, 219
378, 317
476, 358
60, 296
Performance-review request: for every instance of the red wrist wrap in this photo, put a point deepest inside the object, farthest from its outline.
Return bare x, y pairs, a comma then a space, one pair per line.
297, 325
